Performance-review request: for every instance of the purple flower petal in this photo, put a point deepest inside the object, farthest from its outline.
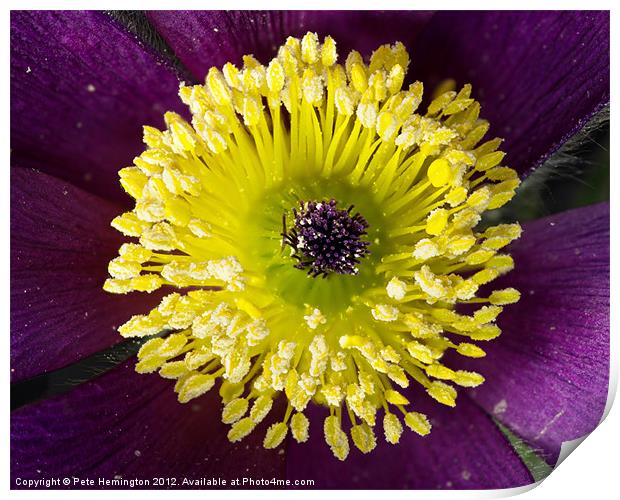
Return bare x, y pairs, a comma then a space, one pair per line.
465, 450
130, 425
81, 89
212, 38
547, 375
61, 242
538, 75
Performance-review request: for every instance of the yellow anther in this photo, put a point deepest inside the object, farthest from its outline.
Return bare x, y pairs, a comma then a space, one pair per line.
379, 85
299, 427
129, 224
418, 423
397, 374
501, 196
380, 58
461, 243
232, 76
335, 437
479, 199
363, 437
367, 113
241, 429
385, 312
508, 231
215, 141
174, 370
425, 249
470, 350
489, 160
123, 269
441, 102
420, 352
439, 173
150, 348
457, 106
275, 76
315, 318
456, 196
485, 276
150, 364
501, 263
400, 55
436, 221
387, 125
252, 110
442, 392
172, 345
396, 289
395, 398
345, 102
479, 257
178, 211
444, 86
135, 253
429, 283
328, 52
146, 282
253, 76
366, 382
275, 435
466, 289
333, 394
199, 228
117, 286
194, 386
501, 174
503, 297
486, 332
440, 371
487, 314
395, 79
468, 379
392, 428
142, 326
359, 79
260, 409
183, 135
310, 48
133, 181
312, 87
465, 219
234, 410
353, 58
152, 137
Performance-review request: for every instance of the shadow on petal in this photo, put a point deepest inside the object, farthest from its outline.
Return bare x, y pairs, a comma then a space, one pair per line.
61, 243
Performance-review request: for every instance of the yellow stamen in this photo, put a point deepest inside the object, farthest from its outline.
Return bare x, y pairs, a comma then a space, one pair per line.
211, 196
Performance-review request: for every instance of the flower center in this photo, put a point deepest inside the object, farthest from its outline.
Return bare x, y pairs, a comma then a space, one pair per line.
325, 239
210, 198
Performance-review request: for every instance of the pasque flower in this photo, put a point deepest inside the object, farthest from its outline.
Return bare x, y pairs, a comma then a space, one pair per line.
322, 217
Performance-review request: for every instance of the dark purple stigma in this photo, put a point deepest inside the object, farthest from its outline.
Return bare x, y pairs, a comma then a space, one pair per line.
326, 240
